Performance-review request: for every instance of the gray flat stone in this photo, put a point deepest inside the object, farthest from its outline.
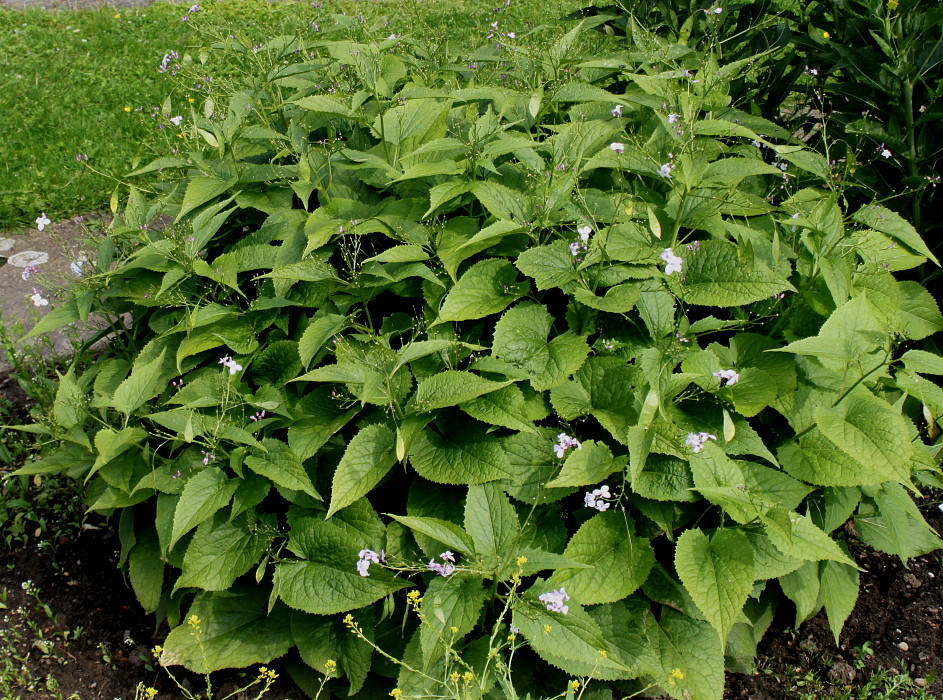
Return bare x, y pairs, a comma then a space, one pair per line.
51, 252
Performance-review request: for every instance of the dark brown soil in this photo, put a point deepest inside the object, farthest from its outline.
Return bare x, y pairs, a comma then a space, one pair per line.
111, 655
898, 616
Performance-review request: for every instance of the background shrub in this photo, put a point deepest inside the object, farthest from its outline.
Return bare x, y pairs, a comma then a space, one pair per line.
537, 364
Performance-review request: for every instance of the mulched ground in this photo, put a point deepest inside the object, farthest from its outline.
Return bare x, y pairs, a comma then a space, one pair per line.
897, 608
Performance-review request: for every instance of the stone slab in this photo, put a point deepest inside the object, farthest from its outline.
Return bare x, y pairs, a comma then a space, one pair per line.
52, 252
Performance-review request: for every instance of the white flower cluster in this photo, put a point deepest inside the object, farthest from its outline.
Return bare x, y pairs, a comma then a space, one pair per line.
555, 600
672, 262
697, 440
729, 376
565, 442
364, 558
598, 498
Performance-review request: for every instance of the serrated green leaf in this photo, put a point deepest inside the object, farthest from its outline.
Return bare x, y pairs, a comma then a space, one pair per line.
920, 314
839, 592
443, 531
549, 265
871, 432
450, 607
680, 645
798, 537
717, 572
144, 382
486, 288
715, 275
221, 551
319, 331
450, 388
234, 631
202, 189
203, 494
618, 300
283, 467
492, 523
567, 641
471, 457
146, 569
326, 581
621, 561
367, 459
893, 224
505, 407
589, 464
320, 639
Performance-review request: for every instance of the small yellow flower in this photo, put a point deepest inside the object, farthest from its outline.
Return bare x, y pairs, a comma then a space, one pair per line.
676, 673
127, 109
190, 100
150, 693
547, 629
157, 650
180, 135
575, 685
603, 654
395, 693
194, 621
468, 677
826, 35
117, 15
330, 664
521, 561
348, 619
455, 676
453, 630
892, 4
512, 637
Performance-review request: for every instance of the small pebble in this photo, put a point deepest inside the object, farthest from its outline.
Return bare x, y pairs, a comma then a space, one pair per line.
920, 682
903, 646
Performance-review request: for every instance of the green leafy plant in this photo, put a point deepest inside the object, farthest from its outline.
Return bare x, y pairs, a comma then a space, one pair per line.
541, 347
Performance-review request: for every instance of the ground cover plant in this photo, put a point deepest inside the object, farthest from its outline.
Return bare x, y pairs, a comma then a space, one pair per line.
546, 370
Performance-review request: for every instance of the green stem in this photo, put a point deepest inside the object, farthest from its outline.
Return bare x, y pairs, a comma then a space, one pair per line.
911, 145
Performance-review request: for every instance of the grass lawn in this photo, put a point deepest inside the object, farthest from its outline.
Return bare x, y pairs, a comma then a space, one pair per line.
69, 77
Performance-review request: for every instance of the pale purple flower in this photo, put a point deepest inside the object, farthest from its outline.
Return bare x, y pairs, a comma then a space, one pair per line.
672, 262
616, 111
565, 442
176, 120
42, 221
697, 440
27, 271
885, 153
259, 415
195, 7
231, 364
446, 569
665, 170
364, 557
672, 118
555, 599
585, 232
598, 498
207, 457
617, 147
729, 376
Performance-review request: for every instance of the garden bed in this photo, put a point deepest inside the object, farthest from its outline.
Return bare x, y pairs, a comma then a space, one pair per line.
110, 657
